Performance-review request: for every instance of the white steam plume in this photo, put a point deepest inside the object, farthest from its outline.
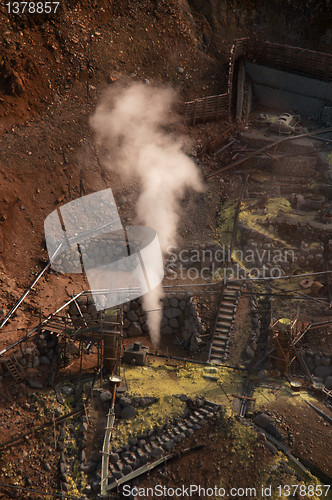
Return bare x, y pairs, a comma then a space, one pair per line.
130, 123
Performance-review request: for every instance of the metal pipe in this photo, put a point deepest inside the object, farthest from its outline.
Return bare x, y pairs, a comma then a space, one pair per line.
19, 302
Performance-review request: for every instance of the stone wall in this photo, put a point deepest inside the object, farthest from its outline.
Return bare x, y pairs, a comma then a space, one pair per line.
273, 254
180, 317
255, 251
95, 252
320, 366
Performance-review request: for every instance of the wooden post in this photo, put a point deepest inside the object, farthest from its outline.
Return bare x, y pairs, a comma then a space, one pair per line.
195, 111
241, 75
204, 108
65, 348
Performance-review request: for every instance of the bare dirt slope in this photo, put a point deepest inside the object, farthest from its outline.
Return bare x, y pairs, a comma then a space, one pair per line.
54, 67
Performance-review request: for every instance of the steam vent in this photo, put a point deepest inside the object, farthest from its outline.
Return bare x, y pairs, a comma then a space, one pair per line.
166, 250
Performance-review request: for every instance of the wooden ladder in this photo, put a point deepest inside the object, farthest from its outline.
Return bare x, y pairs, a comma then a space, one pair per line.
14, 369
112, 328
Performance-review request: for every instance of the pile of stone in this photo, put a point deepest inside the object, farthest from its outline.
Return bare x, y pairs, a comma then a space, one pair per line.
49, 351
45, 351
125, 406
320, 366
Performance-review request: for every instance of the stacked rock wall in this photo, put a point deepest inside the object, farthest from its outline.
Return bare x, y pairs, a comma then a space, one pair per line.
257, 250
179, 317
95, 252
273, 254
320, 366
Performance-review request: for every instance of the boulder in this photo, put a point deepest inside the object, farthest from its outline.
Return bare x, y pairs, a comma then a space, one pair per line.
249, 352
173, 302
147, 401
309, 362
325, 361
262, 420
117, 410
271, 429
174, 323
67, 390
156, 452
106, 396
328, 382
167, 330
35, 362
323, 371
317, 360
132, 316
173, 312
169, 444
34, 384
128, 412
44, 360
50, 354
134, 330
127, 469
124, 401
113, 458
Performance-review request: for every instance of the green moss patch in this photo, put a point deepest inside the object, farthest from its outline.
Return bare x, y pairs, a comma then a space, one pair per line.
164, 382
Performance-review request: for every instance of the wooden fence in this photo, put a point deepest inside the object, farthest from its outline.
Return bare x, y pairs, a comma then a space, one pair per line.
295, 59
207, 108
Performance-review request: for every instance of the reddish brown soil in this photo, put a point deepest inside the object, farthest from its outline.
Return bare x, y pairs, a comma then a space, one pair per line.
216, 464
312, 434
52, 72
25, 461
